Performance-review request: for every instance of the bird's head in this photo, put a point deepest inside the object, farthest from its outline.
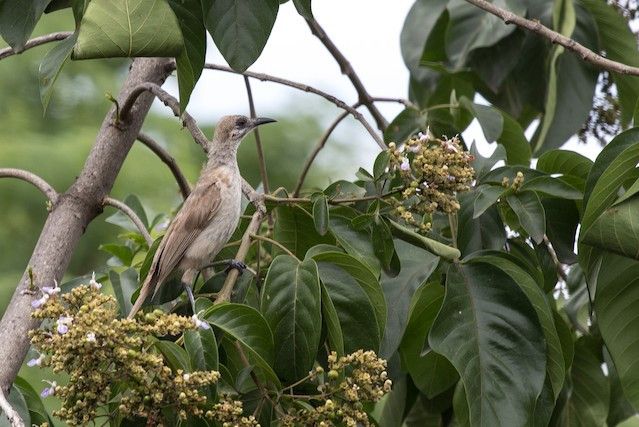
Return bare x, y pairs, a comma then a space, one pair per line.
231, 129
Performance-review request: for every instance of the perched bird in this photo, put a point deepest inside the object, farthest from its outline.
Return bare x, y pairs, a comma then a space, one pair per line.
208, 216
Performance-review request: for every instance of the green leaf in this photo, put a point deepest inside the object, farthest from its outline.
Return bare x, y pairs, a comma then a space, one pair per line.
417, 266
332, 322
148, 259
343, 188
122, 252
190, 61
291, 304
201, 346
18, 18
485, 232
355, 242
552, 187
381, 164
405, 124
320, 215
382, 240
491, 122
500, 354
240, 28
431, 372
565, 162
487, 196
471, 28
620, 44
51, 66
616, 230
514, 140
37, 411
562, 219
124, 285
364, 278
122, 220
19, 404
249, 328
128, 28
295, 229
176, 356
433, 246
303, 7
530, 212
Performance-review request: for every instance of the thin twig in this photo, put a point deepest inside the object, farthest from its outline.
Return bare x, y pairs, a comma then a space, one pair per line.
263, 390
553, 255
109, 201
9, 412
258, 140
37, 41
168, 160
348, 71
187, 120
31, 178
306, 88
288, 200
536, 27
273, 242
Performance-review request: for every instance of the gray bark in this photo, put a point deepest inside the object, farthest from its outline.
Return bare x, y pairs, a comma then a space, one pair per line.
73, 212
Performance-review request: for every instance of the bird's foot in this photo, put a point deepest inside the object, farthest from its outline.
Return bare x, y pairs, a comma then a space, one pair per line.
237, 265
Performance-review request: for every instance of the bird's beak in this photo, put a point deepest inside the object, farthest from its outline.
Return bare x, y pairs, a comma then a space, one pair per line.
262, 120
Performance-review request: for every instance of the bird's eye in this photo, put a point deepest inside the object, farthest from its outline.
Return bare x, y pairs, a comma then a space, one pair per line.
241, 122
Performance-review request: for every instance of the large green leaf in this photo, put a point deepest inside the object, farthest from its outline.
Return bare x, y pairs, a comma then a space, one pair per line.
471, 28
330, 317
291, 304
247, 326
530, 212
295, 229
562, 219
620, 44
201, 346
240, 28
356, 242
417, 266
487, 196
18, 18
490, 332
124, 285
565, 162
491, 122
553, 187
37, 411
176, 356
485, 232
129, 28
617, 229
431, 372
51, 66
364, 278
404, 125
190, 62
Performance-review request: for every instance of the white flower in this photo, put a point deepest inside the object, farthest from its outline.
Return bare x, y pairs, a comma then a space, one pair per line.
63, 324
49, 391
413, 148
199, 323
449, 146
423, 136
47, 292
93, 283
405, 164
36, 362
40, 301
91, 337
425, 185
186, 377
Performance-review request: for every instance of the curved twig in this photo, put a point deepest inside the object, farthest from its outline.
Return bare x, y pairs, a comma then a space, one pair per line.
348, 71
306, 88
31, 178
187, 120
168, 160
288, 200
536, 27
258, 140
109, 201
37, 41
9, 412
273, 242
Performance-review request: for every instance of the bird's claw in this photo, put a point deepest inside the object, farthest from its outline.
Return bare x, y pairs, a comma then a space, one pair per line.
237, 265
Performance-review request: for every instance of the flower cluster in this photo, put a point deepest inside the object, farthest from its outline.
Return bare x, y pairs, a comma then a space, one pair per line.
229, 412
83, 336
351, 381
433, 171
518, 181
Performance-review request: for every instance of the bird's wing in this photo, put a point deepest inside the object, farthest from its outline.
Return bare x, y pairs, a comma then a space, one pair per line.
196, 213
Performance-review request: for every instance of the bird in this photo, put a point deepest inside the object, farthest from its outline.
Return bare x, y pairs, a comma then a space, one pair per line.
208, 216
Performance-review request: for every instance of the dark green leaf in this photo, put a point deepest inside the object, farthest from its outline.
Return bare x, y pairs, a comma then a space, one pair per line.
382, 240
240, 28
355, 242
176, 356
565, 162
128, 28
122, 252
483, 165
485, 232
512, 137
616, 230
343, 188
18, 18
295, 229
430, 245
291, 304
407, 123
320, 215
201, 346
51, 65
530, 212
37, 411
124, 285
487, 196
491, 122
148, 259
332, 322
304, 8
389, 411
381, 164
553, 187
500, 354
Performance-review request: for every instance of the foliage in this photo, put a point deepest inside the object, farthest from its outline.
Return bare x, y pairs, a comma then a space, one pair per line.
501, 291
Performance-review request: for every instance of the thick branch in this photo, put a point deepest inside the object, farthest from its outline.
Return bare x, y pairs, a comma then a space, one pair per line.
168, 160
37, 41
187, 120
108, 201
258, 140
536, 27
31, 178
14, 418
306, 88
73, 212
348, 71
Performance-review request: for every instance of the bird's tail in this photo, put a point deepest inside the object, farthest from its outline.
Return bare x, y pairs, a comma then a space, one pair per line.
148, 286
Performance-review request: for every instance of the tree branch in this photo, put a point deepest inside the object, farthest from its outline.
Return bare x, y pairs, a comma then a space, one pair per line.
561, 273
73, 212
108, 201
187, 120
258, 140
306, 88
37, 41
348, 71
168, 160
14, 418
536, 27
289, 200
31, 178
